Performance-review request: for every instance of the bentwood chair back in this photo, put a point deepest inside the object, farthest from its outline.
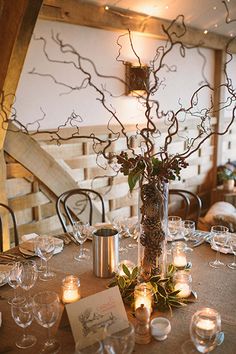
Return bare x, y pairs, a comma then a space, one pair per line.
11, 213
82, 198
192, 204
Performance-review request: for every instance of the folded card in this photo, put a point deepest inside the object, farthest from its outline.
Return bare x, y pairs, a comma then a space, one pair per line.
90, 315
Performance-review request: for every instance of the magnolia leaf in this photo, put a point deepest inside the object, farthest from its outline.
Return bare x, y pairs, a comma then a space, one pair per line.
134, 273
121, 282
126, 270
133, 178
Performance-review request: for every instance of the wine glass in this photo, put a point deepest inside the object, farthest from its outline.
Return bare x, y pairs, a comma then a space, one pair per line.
21, 311
95, 348
218, 240
232, 245
46, 308
13, 278
121, 341
44, 249
28, 275
205, 329
189, 230
81, 232
174, 226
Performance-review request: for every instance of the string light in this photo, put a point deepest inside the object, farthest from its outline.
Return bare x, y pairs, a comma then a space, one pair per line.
106, 8
205, 31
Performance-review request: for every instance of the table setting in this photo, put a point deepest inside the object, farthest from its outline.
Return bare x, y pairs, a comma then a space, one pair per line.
75, 282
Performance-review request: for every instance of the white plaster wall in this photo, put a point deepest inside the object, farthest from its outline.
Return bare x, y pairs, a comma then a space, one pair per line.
35, 93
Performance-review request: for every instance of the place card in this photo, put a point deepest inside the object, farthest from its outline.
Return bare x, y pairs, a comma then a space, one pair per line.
88, 316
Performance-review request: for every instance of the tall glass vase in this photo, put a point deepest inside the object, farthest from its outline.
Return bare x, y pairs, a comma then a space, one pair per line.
153, 216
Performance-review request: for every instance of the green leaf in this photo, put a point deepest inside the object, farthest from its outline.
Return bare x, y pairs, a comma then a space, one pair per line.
126, 270
134, 273
121, 282
133, 178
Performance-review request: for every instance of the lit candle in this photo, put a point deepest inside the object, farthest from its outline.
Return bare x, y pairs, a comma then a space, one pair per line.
180, 261
205, 327
70, 289
185, 289
183, 282
143, 295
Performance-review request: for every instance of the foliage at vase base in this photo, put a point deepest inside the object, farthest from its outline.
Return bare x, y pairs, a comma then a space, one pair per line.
164, 295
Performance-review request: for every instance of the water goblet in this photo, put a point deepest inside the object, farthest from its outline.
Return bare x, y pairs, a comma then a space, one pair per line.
46, 308
13, 278
44, 249
28, 275
119, 341
95, 348
21, 311
81, 233
218, 240
232, 245
189, 230
205, 328
174, 226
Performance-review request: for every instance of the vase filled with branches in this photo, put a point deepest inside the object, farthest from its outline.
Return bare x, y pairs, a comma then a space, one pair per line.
148, 158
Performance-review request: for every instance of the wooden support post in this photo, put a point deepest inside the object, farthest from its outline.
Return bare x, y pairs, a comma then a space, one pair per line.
218, 73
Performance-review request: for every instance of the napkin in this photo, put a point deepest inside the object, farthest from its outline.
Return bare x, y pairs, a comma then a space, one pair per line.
28, 243
224, 250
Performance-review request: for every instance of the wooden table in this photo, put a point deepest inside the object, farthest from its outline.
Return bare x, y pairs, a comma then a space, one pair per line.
215, 288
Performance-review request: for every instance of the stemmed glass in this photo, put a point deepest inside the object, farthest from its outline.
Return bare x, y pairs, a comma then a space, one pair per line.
218, 240
44, 249
22, 313
189, 229
28, 275
81, 233
232, 245
95, 348
174, 226
13, 278
46, 308
119, 342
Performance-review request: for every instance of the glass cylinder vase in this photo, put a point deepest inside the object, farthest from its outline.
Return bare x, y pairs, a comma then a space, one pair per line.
153, 217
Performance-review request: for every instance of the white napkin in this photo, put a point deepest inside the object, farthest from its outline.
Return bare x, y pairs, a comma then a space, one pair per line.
224, 250
28, 243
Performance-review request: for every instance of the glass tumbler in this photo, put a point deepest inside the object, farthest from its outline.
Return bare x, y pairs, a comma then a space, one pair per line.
204, 329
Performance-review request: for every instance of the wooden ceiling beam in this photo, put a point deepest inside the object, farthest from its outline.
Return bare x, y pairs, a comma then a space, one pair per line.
116, 19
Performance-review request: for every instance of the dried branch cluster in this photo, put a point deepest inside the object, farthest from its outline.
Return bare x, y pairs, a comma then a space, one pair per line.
144, 160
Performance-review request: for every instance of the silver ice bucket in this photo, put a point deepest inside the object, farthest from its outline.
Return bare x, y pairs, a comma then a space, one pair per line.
105, 252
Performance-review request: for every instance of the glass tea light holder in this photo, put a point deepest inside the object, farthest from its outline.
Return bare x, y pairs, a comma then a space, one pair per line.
179, 256
205, 328
143, 294
183, 282
70, 289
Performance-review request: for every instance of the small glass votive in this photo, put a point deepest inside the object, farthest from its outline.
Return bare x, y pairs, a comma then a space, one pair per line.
183, 282
70, 289
143, 294
205, 327
179, 256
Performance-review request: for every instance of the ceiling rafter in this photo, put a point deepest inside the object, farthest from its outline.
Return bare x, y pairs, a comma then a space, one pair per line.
92, 15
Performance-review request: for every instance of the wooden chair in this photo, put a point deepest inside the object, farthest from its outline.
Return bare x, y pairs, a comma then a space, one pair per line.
64, 212
16, 237
192, 204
